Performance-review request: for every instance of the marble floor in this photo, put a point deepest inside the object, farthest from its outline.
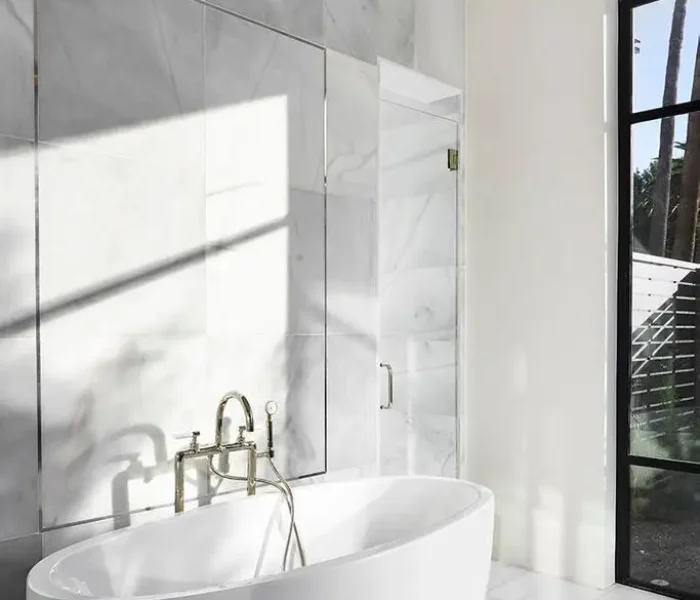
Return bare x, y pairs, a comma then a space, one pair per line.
512, 583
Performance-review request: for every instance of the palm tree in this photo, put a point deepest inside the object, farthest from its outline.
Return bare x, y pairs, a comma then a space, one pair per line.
684, 243
659, 221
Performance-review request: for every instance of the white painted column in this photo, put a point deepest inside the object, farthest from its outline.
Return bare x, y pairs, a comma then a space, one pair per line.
541, 251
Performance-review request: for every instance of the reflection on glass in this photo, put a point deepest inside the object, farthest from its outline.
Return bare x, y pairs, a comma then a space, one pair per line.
664, 415
664, 58
655, 185
665, 529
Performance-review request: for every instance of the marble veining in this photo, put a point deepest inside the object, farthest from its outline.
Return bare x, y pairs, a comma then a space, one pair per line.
352, 407
418, 288
418, 301
125, 65
302, 18
19, 504
275, 278
368, 28
113, 243
352, 118
352, 284
17, 237
350, 27
417, 445
414, 152
419, 231
17, 68
440, 40
425, 374
396, 31
279, 71
116, 409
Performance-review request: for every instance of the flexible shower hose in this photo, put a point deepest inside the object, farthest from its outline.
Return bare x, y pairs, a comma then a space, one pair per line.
283, 487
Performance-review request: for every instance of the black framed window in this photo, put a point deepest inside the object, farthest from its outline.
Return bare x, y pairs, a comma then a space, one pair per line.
658, 517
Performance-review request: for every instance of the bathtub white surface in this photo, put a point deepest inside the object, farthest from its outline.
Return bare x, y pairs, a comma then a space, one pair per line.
400, 537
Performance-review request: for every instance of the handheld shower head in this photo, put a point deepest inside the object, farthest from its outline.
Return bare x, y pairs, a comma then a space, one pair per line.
271, 409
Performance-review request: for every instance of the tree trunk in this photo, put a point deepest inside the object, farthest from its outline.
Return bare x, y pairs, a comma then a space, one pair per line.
684, 244
659, 217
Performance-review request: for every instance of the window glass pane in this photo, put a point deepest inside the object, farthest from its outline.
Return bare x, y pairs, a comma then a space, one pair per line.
653, 46
647, 146
665, 529
665, 352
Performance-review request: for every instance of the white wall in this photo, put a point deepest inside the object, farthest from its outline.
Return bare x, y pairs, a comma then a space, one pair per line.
541, 245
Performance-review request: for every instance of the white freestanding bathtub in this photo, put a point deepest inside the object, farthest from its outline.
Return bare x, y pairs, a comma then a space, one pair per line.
405, 538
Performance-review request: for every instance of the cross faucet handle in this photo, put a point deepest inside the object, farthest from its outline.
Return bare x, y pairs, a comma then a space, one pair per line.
241, 434
194, 443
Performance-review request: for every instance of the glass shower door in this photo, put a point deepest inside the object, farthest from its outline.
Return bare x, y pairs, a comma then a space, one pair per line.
417, 216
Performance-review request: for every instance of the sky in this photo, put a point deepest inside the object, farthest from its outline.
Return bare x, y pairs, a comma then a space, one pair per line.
652, 26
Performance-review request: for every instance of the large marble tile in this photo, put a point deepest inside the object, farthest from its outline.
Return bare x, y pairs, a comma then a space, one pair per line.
122, 244
265, 107
302, 18
417, 444
289, 370
433, 446
367, 28
413, 152
393, 443
17, 557
353, 402
353, 126
425, 374
417, 223
396, 31
440, 40
17, 68
352, 301
17, 237
273, 279
418, 301
418, 231
125, 77
114, 410
19, 467
350, 27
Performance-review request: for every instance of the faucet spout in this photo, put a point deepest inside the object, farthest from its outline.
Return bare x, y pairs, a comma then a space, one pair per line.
247, 411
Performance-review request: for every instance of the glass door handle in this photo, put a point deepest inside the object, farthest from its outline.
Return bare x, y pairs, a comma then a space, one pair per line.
390, 372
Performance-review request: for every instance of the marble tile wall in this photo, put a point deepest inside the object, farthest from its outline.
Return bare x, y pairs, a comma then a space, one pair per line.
182, 185
302, 18
366, 29
417, 291
440, 40
182, 244
352, 308
265, 173
424, 34
20, 544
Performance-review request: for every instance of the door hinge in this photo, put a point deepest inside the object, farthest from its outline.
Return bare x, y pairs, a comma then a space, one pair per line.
453, 159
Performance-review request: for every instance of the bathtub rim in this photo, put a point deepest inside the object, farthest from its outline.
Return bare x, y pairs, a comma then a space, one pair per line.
46, 565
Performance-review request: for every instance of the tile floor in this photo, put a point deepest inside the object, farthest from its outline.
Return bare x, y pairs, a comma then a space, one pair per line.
512, 583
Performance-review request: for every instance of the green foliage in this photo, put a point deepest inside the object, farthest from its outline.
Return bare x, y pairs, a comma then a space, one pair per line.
643, 202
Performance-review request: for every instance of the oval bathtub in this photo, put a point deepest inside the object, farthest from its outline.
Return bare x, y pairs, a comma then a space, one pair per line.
376, 539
